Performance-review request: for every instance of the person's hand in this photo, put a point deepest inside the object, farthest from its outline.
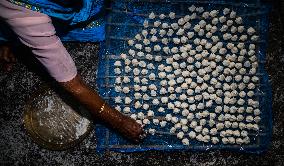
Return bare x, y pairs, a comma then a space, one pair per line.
130, 129
7, 58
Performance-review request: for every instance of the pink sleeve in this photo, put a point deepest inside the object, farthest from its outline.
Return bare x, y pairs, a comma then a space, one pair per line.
36, 31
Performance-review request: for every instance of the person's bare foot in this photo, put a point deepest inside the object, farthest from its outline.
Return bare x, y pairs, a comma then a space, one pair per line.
7, 58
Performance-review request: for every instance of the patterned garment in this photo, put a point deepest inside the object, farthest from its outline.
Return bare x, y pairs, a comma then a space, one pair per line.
83, 20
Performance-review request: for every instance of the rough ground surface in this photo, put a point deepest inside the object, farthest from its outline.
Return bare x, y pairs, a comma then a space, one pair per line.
17, 148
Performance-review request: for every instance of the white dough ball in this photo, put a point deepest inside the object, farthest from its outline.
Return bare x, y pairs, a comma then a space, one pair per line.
215, 140
152, 131
180, 135
172, 15
185, 141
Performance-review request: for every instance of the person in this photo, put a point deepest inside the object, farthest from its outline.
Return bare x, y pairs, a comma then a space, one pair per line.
36, 30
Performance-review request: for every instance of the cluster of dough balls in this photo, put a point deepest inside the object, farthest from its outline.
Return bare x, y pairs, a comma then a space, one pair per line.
192, 76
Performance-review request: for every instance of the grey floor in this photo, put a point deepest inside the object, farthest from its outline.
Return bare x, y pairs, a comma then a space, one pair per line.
16, 147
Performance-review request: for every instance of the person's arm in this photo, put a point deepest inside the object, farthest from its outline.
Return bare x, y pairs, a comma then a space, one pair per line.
36, 31
102, 111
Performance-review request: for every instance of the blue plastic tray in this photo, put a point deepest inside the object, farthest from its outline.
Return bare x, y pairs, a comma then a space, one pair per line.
125, 20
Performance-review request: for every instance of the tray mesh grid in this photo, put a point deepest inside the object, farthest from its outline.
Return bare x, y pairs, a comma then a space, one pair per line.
126, 19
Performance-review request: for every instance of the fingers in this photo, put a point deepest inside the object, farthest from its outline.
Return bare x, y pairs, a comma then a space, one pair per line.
7, 58
142, 136
8, 67
134, 134
132, 130
7, 55
139, 132
13, 59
